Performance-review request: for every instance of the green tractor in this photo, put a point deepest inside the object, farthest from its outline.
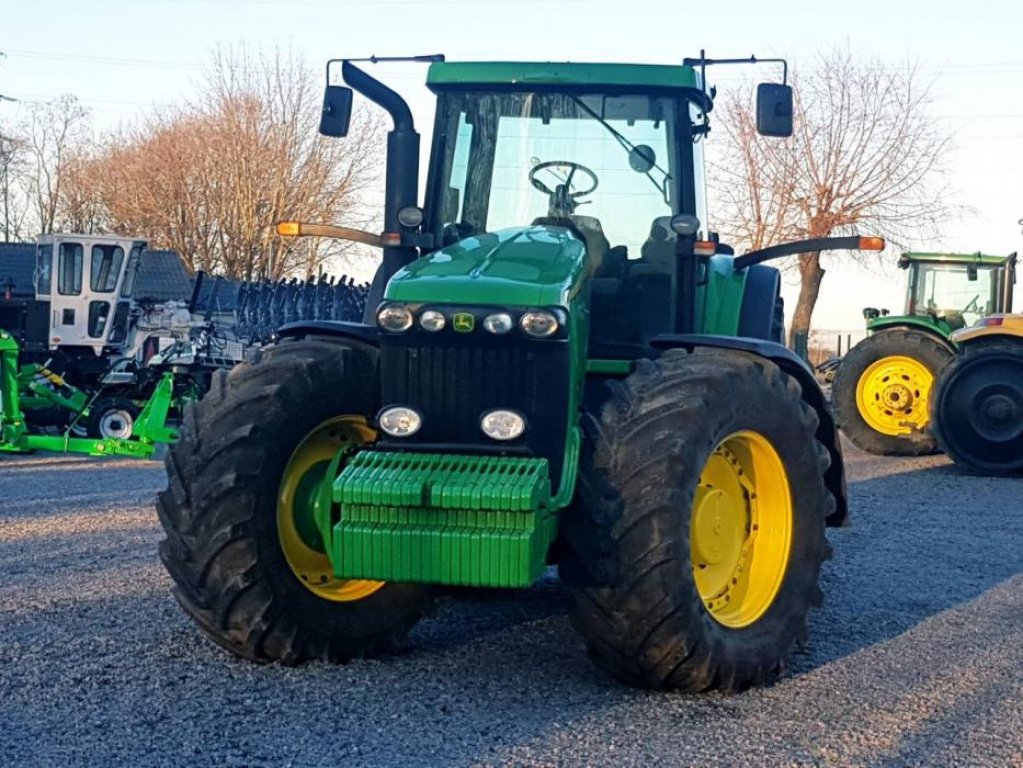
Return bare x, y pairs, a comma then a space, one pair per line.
882, 390
531, 386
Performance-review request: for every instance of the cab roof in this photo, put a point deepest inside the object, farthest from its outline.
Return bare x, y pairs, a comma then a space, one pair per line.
465, 73
958, 258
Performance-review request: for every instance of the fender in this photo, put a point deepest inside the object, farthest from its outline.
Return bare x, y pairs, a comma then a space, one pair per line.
940, 332
341, 329
792, 364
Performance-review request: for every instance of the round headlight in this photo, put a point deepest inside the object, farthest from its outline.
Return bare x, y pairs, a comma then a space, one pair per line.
410, 217
539, 324
395, 318
498, 323
432, 320
400, 421
502, 425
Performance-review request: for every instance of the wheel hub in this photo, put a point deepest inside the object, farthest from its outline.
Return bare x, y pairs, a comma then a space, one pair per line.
297, 504
897, 396
892, 395
116, 424
741, 529
717, 522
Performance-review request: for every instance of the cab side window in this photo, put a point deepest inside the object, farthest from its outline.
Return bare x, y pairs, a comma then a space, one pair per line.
44, 269
69, 269
105, 267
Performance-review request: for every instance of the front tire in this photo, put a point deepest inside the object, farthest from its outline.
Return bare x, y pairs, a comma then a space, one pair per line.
241, 545
978, 409
704, 488
882, 391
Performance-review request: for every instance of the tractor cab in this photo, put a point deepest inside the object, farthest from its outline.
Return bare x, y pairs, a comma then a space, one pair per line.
87, 280
958, 289
605, 154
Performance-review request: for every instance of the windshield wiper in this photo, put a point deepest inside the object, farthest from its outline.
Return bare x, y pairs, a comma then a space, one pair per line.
662, 186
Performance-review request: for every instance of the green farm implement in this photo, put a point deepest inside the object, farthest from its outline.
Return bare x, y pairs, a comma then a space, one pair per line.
36, 386
530, 386
882, 389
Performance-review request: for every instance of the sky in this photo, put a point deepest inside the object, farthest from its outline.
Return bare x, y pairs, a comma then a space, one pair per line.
122, 58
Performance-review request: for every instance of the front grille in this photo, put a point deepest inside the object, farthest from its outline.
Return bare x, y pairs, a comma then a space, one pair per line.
453, 383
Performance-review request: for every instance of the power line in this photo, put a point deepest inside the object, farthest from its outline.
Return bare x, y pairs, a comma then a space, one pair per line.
110, 60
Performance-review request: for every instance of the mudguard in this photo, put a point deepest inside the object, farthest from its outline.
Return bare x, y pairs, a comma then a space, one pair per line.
364, 334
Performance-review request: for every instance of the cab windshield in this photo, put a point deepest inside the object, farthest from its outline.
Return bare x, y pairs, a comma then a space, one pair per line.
606, 163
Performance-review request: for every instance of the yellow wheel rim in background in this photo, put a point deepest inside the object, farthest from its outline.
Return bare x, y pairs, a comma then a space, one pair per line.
296, 525
741, 529
893, 394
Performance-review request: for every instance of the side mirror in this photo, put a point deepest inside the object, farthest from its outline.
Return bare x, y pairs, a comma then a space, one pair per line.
337, 111
971, 272
774, 109
685, 225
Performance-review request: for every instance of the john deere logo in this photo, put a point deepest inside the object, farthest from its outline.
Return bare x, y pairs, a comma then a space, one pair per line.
463, 322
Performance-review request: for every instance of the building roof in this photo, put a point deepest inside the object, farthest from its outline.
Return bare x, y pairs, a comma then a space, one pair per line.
163, 276
17, 269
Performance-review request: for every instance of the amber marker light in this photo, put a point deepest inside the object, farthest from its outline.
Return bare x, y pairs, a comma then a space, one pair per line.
289, 228
872, 243
705, 247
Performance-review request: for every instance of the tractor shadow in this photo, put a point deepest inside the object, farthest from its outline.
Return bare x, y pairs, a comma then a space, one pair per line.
907, 558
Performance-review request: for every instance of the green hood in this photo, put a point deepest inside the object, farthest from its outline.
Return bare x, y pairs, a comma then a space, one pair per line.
523, 266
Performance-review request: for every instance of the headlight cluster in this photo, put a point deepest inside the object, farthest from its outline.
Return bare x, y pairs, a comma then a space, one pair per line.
398, 318
498, 424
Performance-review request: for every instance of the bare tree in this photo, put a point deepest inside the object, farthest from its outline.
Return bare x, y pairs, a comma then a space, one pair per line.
865, 155
13, 207
212, 178
53, 132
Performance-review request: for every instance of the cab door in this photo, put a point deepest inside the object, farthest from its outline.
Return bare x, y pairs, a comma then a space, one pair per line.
69, 308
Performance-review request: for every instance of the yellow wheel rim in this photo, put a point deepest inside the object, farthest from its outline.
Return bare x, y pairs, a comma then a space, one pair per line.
893, 393
296, 524
741, 529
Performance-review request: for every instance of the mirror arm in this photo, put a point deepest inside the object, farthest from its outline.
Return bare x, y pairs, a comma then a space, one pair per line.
850, 243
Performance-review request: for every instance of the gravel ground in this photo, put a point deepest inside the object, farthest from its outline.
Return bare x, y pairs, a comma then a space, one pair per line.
916, 658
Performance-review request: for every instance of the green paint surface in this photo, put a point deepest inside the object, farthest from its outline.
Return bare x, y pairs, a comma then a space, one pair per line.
522, 266
719, 305
567, 74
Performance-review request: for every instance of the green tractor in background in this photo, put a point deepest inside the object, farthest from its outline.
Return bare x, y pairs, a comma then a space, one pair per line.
557, 366
882, 390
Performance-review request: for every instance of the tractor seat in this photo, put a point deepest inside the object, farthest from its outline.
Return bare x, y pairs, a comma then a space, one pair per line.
659, 248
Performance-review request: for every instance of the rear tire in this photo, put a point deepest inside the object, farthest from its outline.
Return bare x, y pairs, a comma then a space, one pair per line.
882, 390
646, 513
220, 512
978, 409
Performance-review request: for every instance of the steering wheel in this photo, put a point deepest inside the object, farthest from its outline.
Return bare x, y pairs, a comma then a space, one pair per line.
972, 306
567, 183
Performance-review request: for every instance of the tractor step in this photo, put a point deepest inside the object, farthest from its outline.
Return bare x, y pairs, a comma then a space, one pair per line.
482, 521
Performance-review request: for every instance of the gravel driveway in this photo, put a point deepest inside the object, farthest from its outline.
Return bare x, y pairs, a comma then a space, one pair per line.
916, 658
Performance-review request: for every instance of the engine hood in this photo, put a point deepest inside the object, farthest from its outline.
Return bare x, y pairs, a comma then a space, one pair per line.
522, 266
